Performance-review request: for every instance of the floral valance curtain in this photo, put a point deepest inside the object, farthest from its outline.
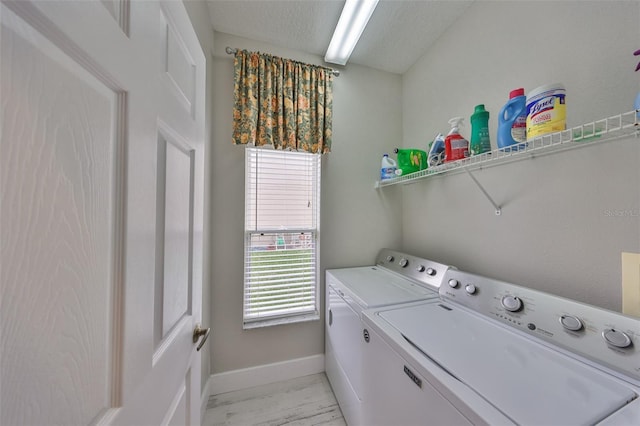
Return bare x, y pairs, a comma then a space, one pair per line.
283, 103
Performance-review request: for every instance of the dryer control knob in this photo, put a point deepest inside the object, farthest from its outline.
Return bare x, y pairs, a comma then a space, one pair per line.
470, 289
616, 338
453, 283
512, 303
421, 268
403, 262
431, 271
571, 323
390, 258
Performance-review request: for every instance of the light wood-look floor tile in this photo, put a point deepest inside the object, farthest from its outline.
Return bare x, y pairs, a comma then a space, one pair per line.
304, 401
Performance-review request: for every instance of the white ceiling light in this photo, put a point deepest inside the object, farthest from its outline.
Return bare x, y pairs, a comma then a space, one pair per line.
353, 19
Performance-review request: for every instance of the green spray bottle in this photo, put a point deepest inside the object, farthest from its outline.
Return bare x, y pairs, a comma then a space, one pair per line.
480, 142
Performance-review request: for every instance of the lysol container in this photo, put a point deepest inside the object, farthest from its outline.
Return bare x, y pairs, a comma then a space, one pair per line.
512, 121
546, 110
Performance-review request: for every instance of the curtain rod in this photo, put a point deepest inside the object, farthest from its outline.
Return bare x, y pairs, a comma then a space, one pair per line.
232, 51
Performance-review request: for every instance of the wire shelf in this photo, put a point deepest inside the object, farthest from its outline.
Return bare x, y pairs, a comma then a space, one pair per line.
605, 130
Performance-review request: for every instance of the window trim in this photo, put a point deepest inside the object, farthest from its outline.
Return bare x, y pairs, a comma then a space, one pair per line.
286, 318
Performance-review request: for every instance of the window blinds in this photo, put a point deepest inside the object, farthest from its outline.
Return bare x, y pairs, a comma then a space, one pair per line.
282, 197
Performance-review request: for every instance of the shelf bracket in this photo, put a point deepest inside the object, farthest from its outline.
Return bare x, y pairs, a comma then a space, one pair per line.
486, 194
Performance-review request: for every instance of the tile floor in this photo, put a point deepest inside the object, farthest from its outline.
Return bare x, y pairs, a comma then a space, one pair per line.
304, 401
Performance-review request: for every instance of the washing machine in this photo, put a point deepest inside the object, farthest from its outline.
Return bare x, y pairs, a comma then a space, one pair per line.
490, 352
395, 278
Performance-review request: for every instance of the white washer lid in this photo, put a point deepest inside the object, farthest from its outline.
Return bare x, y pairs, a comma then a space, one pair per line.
373, 286
528, 382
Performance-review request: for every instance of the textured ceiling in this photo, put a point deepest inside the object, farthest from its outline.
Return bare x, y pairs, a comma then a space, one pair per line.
398, 33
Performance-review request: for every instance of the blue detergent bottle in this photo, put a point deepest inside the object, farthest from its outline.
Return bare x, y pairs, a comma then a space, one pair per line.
512, 121
436, 151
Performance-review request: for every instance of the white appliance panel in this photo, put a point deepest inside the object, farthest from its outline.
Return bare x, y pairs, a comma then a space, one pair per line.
371, 286
345, 331
395, 393
568, 324
350, 404
528, 382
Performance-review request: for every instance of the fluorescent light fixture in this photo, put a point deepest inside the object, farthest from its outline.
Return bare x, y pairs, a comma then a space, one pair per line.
354, 17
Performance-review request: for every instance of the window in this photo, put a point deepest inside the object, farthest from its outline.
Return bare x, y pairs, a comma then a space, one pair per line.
282, 217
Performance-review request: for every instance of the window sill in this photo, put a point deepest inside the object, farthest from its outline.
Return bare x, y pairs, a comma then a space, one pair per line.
280, 321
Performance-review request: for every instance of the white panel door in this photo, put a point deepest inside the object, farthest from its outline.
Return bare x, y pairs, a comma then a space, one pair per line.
101, 176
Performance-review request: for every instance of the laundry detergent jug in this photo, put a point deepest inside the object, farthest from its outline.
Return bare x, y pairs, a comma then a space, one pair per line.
512, 122
410, 160
388, 167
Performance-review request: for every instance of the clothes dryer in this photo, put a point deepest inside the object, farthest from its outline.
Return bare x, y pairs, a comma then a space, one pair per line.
395, 278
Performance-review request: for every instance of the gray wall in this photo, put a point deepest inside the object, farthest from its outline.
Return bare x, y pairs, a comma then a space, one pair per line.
356, 219
566, 217
556, 232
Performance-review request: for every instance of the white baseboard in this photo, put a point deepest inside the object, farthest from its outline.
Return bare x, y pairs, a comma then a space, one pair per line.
230, 381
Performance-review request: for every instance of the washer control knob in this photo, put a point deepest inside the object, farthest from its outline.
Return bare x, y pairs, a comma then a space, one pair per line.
421, 268
403, 262
470, 288
431, 272
616, 338
390, 258
512, 303
453, 283
571, 323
